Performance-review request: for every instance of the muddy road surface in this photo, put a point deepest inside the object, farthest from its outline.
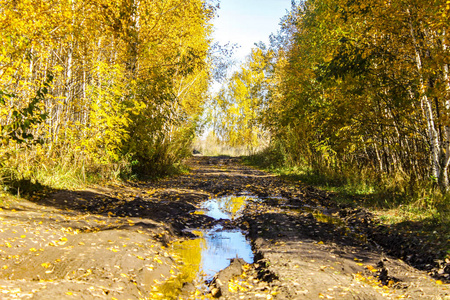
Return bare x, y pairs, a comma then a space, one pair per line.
222, 231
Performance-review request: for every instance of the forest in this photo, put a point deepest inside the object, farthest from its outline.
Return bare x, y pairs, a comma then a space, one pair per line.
355, 92
115, 184
100, 89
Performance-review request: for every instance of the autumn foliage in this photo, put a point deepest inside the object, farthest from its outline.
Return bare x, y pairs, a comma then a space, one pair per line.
128, 81
367, 84
358, 87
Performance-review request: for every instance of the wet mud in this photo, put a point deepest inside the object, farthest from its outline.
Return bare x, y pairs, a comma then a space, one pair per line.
165, 240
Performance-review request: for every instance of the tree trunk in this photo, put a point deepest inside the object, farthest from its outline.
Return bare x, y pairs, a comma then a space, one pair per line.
446, 154
427, 110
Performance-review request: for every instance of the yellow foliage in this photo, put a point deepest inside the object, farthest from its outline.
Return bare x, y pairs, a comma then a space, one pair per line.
130, 82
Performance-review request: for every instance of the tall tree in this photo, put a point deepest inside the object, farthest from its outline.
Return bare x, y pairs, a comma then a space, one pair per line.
130, 76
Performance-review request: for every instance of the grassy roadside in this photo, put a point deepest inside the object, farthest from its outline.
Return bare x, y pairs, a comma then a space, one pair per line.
414, 219
32, 177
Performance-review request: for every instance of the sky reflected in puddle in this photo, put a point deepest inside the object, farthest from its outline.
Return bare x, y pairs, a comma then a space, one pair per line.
217, 246
220, 247
226, 207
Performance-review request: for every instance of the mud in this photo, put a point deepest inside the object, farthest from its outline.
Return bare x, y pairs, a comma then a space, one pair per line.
122, 242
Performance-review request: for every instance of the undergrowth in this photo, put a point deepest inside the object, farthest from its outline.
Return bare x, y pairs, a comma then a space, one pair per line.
418, 209
32, 173
394, 197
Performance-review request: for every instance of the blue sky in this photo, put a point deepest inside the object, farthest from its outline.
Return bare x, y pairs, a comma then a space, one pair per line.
246, 22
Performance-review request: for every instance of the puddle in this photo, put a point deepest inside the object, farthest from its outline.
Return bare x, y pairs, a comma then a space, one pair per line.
189, 254
227, 208
215, 247
220, 247
323, 218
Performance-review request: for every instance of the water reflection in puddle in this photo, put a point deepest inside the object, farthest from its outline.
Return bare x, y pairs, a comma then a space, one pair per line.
189, 254
217, 246
225, 208
220, 247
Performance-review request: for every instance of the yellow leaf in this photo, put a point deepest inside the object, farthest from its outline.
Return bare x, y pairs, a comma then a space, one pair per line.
46, 265
439, 282
157, 260
69, 293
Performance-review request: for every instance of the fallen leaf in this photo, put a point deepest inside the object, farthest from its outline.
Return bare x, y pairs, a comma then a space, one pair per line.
46, 265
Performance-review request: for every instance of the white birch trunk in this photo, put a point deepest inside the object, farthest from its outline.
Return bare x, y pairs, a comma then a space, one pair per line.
446, 163
427, 109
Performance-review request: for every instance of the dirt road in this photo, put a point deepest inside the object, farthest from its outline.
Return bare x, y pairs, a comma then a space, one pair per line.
150, 241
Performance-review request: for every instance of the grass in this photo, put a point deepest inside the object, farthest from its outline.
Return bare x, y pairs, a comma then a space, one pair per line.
212, 146
417, 209
27, 172
361, 187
